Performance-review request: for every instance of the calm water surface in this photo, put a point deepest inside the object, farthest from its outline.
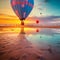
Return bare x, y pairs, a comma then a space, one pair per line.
30, 44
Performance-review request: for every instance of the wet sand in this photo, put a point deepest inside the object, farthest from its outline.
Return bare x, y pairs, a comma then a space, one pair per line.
18, 47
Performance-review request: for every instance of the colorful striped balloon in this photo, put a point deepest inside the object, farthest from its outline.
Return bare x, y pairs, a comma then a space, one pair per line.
22, 8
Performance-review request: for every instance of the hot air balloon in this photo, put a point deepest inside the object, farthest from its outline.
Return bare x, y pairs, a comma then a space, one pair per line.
37, 21
22, 8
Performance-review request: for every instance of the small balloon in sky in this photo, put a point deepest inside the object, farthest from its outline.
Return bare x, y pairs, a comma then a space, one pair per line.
40, 13
37, 30
37, 21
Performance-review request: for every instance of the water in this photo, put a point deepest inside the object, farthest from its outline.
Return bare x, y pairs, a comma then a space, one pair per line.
30, 44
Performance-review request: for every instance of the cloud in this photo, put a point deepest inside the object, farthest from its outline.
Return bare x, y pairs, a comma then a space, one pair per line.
44, 21
48, 17
48, 20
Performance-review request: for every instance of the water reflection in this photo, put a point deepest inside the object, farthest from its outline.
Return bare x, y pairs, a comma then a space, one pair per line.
30, 45
17, 47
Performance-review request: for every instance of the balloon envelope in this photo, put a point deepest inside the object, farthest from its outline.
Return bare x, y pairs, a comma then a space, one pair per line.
22, 8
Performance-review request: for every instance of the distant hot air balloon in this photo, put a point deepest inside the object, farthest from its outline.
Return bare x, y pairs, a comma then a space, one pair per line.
37, 21
22, 8
37, 30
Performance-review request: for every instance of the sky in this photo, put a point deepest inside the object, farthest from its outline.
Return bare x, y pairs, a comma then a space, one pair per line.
41, 8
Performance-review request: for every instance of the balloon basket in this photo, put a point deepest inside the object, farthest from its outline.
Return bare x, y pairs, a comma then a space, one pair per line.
22, 22
22, 27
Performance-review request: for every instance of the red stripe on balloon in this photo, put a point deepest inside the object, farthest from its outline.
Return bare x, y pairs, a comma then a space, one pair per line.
22, 3
16, 11
13, 3
26, 2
